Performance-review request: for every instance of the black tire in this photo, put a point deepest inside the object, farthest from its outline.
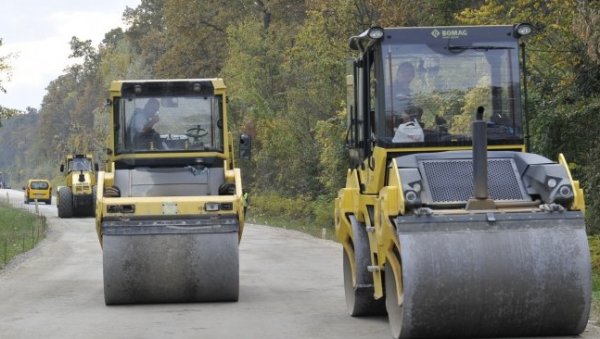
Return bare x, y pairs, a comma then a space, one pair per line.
93, 206
359, 291
360, 300
65, 206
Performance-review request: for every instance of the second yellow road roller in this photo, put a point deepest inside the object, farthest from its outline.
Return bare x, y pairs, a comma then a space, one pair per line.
449, 224
169, 207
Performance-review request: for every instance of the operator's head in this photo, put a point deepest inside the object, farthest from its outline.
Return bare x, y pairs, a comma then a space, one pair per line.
405, 72
152, 106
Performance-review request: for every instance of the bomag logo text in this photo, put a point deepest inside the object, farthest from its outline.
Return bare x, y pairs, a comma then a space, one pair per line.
449, 33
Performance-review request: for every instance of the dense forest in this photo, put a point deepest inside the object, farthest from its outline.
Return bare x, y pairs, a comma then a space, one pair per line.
284, 63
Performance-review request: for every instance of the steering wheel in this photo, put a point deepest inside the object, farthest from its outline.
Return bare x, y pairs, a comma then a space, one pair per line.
196, 132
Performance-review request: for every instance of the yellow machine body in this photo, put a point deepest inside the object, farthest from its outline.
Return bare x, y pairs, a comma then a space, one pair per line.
77, 196
170, 202
454, 235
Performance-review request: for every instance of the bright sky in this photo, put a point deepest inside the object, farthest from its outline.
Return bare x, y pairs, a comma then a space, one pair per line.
37, 34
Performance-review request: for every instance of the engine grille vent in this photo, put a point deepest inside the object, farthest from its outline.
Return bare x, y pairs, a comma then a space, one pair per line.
451, 181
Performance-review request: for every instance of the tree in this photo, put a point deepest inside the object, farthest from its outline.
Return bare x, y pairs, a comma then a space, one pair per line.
4, 69
5, 73
146, 34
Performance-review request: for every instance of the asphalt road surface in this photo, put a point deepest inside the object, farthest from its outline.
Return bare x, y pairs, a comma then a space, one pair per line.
290, 287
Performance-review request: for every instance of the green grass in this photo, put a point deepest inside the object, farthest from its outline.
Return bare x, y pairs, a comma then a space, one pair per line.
20, 231
305, 226
296, 213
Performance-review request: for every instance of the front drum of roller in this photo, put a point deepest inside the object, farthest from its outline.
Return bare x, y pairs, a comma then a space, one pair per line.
170, 268
519, 275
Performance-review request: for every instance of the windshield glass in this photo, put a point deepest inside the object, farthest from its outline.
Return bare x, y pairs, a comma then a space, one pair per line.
39, 185
432, 92
174, 123
80, 164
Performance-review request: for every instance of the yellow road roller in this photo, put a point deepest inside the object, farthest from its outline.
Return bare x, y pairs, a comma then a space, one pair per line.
76, 198
448, 224
169, 206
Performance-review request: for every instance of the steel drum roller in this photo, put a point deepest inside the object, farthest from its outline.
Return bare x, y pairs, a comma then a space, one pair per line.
502, 275
171, 267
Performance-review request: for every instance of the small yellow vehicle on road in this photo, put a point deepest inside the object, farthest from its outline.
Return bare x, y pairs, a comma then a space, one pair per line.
38, 189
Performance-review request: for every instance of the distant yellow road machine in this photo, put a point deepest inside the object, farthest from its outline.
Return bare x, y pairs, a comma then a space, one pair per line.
77, 197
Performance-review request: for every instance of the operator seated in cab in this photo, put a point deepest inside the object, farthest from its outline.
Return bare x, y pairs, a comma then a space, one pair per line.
141, 129
407, 127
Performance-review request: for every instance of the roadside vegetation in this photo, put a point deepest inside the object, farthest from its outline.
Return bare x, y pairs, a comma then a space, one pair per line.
284, 63
299, 213
20, 231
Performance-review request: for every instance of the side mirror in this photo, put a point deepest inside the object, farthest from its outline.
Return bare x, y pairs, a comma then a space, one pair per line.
245, 147
24, 188
62, 168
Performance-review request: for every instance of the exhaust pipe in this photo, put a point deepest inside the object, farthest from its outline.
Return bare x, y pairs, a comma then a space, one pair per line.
480, 164
481, 200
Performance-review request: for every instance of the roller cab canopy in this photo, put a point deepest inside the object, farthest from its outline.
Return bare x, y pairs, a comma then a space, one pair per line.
435, 77
157, 119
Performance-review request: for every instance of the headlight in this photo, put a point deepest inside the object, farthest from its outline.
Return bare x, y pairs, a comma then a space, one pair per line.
211, 206
565, 191
411, 196
120, 208
375, 32
523, 30
417, 187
